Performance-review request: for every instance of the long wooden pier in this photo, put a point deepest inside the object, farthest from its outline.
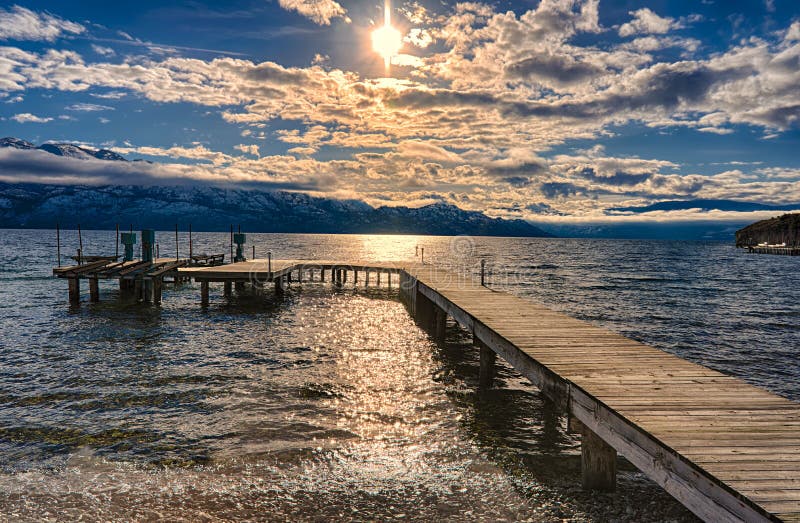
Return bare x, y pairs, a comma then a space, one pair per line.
727, 450
773, 249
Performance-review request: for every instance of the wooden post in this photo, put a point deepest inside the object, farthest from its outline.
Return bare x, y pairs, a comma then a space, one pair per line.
231, 242
440, 325
366, 277
378, 277
80, 246
94, 290
322, 274
204, 292
190, 242
598, 462
344, 275
137, 288
74, 290
58, 243
279, 286
422, 259
254, 252
116, 243
483, 272
487, 366
355, 277
147, 290
157, 285
177, 252
424, 311
227, 291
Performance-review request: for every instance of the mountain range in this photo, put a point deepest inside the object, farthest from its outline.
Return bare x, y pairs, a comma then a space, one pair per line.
68, 150
215, 209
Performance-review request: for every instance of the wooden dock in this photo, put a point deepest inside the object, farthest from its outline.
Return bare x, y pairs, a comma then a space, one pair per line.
773, 249
137, 278
727, 450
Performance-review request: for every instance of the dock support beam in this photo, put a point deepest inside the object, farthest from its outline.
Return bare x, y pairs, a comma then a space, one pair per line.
227, 289
279, 286
439, 323
74, 290
487, 365
598, 462
94, 290
137, 288
204, 293
158, 283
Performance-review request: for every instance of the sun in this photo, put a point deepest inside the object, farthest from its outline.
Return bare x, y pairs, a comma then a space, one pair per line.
387, 41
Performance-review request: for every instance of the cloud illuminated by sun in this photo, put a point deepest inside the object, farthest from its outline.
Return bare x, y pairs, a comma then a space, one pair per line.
386, 40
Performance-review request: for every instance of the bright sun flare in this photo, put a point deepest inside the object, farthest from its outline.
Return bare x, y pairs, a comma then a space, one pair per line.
386, 40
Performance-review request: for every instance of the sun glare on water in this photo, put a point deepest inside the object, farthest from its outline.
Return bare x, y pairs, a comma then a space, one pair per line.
386, 40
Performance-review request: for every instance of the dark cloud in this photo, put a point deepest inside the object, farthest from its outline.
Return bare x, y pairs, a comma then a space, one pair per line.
618, 178
562, 69
35, 166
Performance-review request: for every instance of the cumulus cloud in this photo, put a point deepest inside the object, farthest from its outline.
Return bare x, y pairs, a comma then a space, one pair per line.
20, 23
30, 118
645, 21
249, 149
319, 11
103, 51
476, 120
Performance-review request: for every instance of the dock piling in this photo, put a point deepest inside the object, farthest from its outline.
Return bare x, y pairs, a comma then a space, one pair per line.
204, 293
58, 243
488, 359
157, 285
74, 291
94, 290
598, 462
227, 289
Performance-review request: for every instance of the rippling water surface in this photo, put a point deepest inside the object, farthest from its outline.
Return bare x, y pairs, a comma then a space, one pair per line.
331, 403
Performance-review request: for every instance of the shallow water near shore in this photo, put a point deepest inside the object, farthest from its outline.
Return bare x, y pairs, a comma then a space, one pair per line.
331, 403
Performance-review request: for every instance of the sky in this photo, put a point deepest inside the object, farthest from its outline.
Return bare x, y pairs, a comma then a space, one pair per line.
559, 110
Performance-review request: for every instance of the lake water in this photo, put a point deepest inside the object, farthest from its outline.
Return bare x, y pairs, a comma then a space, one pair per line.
331, 404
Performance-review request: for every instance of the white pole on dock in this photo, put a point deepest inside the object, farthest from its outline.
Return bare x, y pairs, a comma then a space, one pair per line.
58, 243
177, 255
190, 241
116, 245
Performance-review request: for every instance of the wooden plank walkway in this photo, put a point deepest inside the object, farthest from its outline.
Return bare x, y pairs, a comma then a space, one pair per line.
727, 450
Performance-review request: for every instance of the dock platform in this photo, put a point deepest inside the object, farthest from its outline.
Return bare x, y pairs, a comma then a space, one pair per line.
727, 450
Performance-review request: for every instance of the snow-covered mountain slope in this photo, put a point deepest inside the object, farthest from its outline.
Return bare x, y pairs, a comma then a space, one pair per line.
68, 150
215, 209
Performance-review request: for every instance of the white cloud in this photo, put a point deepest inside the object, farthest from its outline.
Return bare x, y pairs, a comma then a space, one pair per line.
249, 149
84, 107
20, 23
103, 51
319, 11
645, 21
30, 118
